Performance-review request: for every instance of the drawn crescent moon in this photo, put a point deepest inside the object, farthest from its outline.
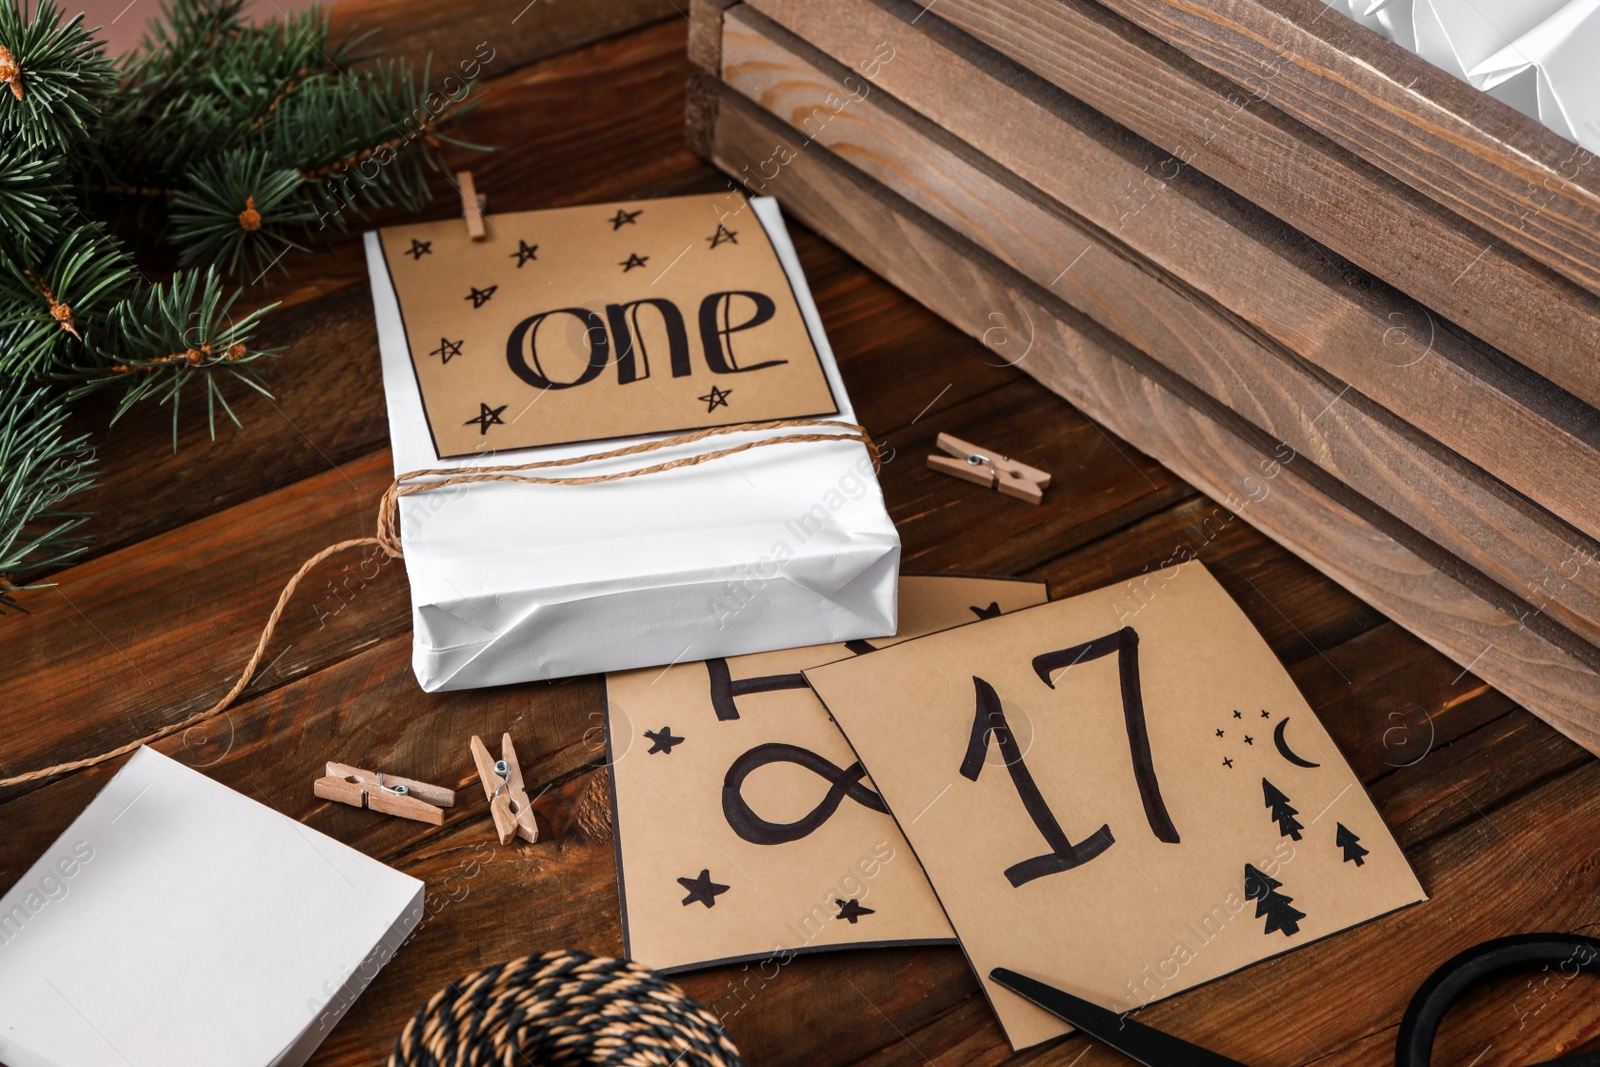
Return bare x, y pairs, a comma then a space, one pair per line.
1283, 746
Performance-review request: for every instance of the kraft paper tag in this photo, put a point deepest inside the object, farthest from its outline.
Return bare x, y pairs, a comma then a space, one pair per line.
604, 321
1122, 798
745, 827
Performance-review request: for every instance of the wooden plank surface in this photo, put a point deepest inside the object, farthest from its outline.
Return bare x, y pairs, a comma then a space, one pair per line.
1495, 809
513, 32
1463, 395
1203, 120
1425, 494
1497, 168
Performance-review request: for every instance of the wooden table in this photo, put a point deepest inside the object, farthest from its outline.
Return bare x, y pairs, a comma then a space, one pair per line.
1497, 812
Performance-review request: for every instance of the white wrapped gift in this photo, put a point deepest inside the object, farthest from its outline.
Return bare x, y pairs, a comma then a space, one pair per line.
780, 546
1535, 55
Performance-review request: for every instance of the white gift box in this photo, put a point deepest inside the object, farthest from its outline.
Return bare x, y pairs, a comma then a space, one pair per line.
180, 923
777, 547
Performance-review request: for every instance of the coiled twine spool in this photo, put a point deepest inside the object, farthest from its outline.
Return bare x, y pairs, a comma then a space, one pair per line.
563, 1009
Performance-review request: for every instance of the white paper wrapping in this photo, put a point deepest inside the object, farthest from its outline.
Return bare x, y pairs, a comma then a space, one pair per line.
1540, 56
778, 547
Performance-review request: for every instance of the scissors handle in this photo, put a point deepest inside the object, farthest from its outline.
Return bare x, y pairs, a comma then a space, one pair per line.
1145, 1044
1566, 954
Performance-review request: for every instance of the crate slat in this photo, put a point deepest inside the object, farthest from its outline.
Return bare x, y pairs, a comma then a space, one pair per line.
968, 286
1523, 183
1430, 497
1527, 310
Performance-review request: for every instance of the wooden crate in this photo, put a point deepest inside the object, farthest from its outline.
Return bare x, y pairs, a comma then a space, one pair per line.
1273, 311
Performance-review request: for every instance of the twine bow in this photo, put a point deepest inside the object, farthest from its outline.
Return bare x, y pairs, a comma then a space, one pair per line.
387, 535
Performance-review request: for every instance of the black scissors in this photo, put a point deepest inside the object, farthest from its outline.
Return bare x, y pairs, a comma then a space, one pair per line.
1413, 1047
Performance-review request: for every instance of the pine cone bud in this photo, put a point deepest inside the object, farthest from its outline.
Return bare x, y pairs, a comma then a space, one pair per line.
250, 218
10, 73
63, 316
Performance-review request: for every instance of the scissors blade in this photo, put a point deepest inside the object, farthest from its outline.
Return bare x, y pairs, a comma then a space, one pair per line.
1145, 1044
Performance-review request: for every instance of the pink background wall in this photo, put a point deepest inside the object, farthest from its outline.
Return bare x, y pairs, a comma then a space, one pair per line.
122, 22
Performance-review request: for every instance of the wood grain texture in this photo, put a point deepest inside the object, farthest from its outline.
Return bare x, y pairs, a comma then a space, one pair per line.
1135, 398
1527, 310
519, 32
1497, 168
705, 33
1494, 807
1428, 496
105, 648
1469, 398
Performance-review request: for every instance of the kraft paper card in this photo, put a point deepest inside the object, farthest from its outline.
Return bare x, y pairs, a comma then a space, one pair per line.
745, 827
603, 321
1122, 798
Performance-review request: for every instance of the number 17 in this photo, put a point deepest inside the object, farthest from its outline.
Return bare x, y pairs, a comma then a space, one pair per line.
989, 720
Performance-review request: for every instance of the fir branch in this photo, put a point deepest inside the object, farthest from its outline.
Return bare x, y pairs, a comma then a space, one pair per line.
39, 468
368, 143
181, 41
242, 211
228, 139
204, 82
66, 292
31, 211
58, 74
164, 338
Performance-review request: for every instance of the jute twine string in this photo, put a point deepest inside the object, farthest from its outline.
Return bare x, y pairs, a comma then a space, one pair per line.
563, 1009
387, 537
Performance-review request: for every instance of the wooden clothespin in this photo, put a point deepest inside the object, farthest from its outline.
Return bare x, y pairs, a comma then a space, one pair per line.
386, 793
508, 799
978, 464
472, 205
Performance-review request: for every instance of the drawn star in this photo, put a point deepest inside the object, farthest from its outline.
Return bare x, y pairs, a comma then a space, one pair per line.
634, 260
990, 612
419, 249
487, 417
1264, 714
448, 348
1227, 761
662, 740
480, 297
702, 889
723, 236
851, 909
1249, 740
524, 252
1236, 714
1219, 733
717, 398
624, 218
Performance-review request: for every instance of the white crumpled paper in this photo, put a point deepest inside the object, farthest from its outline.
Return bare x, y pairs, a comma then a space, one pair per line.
779, 547
1542, 57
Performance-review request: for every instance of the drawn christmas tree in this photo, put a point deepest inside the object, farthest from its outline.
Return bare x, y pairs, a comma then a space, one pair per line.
1288, 825
1351, 844
1278, 910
